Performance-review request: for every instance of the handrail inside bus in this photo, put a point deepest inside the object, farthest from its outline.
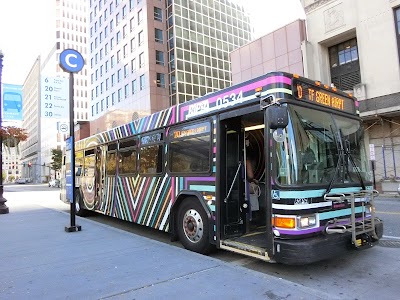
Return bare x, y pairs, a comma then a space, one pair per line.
233, 182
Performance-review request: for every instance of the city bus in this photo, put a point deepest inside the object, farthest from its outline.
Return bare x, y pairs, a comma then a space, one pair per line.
185, 171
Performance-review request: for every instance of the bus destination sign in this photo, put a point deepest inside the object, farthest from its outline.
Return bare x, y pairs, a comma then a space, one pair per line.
191, 130
318, 95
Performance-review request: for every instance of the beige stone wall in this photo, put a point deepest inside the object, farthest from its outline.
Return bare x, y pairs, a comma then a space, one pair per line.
372, 22
278, 51
330, 22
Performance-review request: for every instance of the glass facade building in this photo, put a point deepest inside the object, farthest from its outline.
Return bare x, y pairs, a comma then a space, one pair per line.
146, 55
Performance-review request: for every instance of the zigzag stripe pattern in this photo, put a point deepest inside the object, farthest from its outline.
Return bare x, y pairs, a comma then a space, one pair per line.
143, 200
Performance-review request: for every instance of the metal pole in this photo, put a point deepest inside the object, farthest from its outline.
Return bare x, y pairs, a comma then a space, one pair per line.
384, 161
3, 207
73, 227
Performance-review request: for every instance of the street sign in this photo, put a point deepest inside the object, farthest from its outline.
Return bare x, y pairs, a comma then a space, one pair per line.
372, 151
71, 61
63, 127
12, 102
54, 93
68, 172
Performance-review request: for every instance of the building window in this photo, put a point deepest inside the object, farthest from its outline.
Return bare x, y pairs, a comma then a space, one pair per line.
134, 87
141, 82
133, 65
157, 14
160, 80
125, 50
345, 65
133, 44
126, 71
117, 19
158, 35
119, 95
140, 16
132, 24
112, 61
126, 90
141, 60
118, 56
131, 4
124, 30
124, 10
159, 57
119, 75
397, 25
118, 37
141, 38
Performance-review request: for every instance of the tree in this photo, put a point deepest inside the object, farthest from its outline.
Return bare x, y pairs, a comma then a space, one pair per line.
11, 135
56, 156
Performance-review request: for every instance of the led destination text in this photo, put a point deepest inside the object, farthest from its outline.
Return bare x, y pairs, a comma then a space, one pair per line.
307, 92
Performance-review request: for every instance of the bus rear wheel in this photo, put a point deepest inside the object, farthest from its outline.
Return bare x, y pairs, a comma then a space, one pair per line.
193, 228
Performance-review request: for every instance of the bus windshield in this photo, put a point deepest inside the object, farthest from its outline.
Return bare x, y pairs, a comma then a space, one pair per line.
321, 148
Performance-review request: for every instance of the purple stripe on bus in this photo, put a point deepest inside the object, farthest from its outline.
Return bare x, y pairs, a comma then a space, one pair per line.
311, 230
209, 179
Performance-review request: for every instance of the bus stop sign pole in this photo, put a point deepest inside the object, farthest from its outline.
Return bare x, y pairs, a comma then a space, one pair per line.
71, 61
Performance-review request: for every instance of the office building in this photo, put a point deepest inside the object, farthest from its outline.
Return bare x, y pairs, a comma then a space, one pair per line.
146, 55
355, 45
43, 133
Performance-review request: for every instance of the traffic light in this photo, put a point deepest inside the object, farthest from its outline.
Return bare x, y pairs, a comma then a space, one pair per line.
29, 164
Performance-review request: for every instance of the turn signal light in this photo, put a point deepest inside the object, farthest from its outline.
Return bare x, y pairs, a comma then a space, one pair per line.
284, 222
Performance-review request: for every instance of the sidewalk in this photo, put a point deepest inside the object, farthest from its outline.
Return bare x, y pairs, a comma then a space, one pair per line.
39, 260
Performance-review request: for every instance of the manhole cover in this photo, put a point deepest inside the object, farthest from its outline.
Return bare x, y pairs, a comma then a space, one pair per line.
389, 243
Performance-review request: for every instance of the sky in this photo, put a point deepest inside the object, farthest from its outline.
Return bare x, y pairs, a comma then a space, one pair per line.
27, 29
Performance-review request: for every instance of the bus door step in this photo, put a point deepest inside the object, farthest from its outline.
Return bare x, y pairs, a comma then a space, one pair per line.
245, 249
233, 229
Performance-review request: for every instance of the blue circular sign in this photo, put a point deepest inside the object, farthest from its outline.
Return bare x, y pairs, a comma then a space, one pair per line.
71, 61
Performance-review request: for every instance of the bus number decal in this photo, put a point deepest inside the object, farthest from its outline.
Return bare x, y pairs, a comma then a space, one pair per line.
301, 201
198, 108
230, 99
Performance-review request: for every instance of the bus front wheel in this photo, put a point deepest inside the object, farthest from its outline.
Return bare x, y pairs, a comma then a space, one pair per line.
192, 226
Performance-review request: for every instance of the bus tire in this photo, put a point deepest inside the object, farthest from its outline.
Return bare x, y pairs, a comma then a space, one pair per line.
79, 205
192, 225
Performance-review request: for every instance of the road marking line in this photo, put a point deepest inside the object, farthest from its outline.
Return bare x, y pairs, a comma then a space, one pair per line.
387, 213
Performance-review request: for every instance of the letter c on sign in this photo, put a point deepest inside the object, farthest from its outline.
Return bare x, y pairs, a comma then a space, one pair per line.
68, 60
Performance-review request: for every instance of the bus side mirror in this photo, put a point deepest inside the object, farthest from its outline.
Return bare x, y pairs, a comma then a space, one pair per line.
277, 116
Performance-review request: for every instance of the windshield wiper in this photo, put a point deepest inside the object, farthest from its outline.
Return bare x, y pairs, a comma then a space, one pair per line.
341, 156
344, 153
348, 154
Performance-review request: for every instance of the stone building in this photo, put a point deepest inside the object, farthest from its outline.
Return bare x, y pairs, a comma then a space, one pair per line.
355, 44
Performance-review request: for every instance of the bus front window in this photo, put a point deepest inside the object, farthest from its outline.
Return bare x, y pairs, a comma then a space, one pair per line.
321, 148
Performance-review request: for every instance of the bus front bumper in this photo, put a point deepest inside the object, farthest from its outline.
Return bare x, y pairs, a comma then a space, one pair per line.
310, 250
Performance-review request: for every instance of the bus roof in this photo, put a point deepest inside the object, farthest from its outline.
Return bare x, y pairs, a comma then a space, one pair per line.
280, 84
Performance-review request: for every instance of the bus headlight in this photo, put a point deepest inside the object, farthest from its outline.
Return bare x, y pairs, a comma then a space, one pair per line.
306, 221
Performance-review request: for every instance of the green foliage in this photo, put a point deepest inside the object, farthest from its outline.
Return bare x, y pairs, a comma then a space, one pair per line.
56, 156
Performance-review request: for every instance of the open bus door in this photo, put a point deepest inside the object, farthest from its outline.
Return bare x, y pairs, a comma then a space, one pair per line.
233, 213
246, 227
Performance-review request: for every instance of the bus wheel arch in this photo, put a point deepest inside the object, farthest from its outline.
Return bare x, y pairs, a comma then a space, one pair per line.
191, 223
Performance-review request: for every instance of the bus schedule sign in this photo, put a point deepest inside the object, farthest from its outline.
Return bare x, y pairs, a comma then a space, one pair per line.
321, 96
